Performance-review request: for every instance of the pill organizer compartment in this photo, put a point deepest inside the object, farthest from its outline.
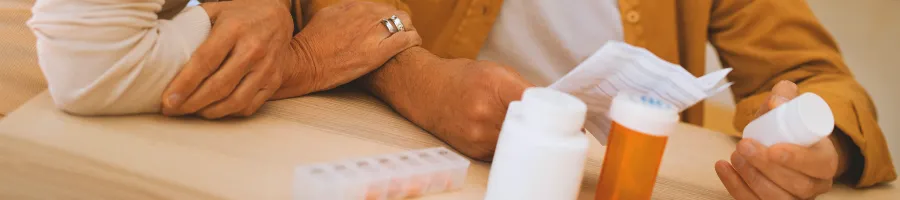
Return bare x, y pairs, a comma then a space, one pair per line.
316, 182
448, 170
376, 188
420, 174
391, 176
458, 167
400, 178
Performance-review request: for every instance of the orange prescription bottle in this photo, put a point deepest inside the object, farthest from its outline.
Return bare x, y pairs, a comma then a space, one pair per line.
637, 139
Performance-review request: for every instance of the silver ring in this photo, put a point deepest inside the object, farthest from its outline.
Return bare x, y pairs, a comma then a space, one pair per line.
397, 22
390, 26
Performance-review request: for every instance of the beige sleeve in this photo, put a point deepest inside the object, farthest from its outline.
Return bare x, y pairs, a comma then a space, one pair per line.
110, 57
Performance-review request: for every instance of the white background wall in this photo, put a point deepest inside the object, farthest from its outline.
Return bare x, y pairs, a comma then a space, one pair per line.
868, 32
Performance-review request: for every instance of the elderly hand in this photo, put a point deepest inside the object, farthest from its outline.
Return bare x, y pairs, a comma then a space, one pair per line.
343, 42
340, 43
782, 171
232, 72
462, 102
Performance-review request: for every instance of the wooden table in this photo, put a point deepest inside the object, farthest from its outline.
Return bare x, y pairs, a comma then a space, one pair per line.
46, 153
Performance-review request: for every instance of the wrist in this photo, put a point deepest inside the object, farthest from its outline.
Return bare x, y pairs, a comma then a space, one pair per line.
843, 149
302, 75
415, 69
408, 67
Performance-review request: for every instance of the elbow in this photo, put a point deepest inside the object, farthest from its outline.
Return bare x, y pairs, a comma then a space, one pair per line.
102, 95
74, 102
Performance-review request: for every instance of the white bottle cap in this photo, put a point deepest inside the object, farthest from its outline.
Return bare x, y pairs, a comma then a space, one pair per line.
808, 119
549, 109
802, 121
643, 113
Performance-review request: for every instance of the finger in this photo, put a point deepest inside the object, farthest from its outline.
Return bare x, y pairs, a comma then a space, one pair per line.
817, 161
786, 89
399, 42
381, 26
203, 63
792, 181
405, 19
221, 84
733, 182
261, 97
402, 40
761, 186
372, 14
783, 92
241, 98
512, 87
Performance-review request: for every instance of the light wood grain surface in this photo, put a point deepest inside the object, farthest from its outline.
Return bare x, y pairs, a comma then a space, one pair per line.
47, 154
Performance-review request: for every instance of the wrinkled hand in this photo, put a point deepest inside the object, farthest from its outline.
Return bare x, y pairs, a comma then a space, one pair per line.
782, 171
343, 42
465, 103
239, 66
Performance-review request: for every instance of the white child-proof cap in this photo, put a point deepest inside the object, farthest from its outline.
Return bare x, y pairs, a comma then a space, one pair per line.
813, 119
643, 113
802, 121
550, 109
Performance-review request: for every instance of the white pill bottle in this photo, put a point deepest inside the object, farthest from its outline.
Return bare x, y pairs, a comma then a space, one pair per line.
541, 151
802, 121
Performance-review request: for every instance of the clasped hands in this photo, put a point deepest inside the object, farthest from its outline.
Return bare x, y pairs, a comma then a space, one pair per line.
251, 56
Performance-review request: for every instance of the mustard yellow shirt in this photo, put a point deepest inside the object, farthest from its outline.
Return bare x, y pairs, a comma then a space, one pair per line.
764, 41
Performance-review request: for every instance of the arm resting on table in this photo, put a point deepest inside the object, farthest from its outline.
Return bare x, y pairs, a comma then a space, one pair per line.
105, 57
767, 41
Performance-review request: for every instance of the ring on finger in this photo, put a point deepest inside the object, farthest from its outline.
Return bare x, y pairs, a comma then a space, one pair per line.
398, 23
390, 26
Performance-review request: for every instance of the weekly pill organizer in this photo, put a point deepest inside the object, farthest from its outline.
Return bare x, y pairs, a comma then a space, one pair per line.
391, 176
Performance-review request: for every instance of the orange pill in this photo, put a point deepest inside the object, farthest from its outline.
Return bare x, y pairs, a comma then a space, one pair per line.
414, 190
373, 195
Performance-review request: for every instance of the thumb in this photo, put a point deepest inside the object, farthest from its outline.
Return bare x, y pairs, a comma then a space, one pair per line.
783, 92
512, 89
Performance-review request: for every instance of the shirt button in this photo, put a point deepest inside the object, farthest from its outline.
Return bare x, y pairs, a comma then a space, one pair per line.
632, 16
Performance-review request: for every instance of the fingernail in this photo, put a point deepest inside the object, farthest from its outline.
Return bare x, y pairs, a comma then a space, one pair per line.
778, 100
174, 100
746, 149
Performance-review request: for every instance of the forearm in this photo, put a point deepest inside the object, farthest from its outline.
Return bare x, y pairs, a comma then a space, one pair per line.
410, 70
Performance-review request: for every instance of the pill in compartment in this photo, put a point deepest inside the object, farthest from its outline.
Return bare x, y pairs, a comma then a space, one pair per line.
399, 178
419, 176
378, 182
440, 170
459, 168
394, 176
352, 181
